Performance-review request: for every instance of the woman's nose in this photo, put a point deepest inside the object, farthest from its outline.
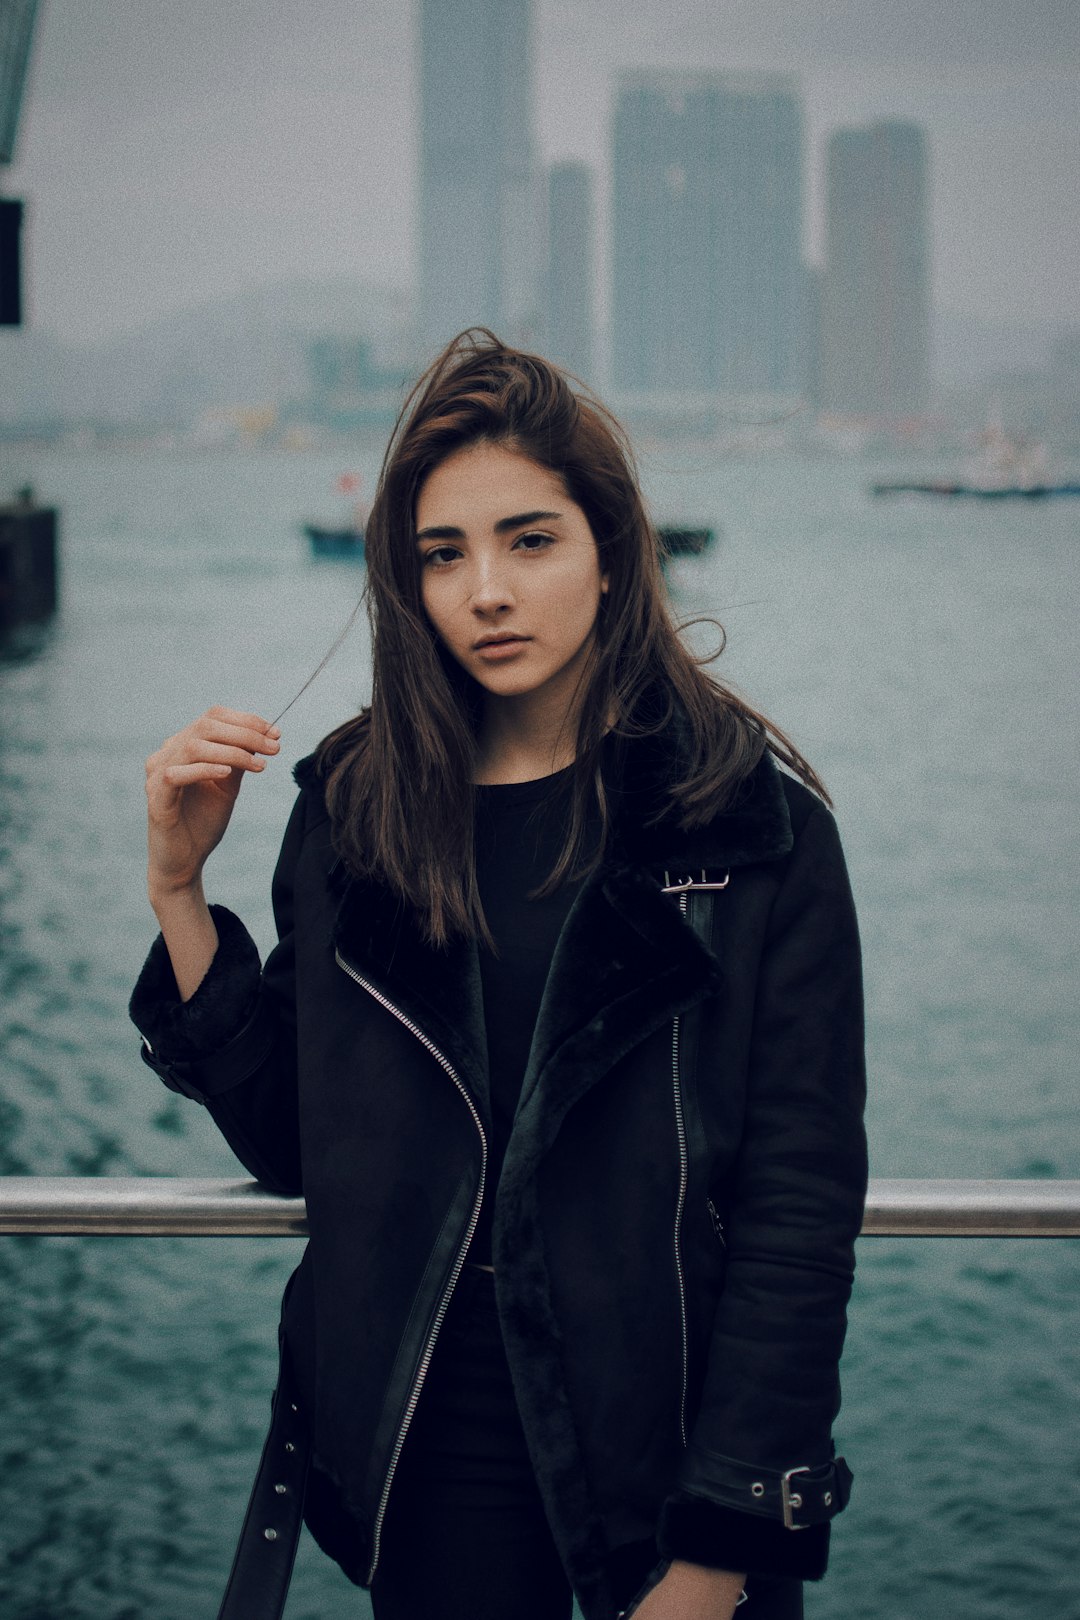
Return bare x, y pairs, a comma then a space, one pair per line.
490, 587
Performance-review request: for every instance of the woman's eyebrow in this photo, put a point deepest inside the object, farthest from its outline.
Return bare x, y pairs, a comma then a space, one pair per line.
518, 521
523, 518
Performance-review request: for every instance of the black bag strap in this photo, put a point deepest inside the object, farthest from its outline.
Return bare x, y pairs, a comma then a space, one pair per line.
263, 1562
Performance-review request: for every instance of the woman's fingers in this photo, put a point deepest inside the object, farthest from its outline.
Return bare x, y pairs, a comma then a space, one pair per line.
203, 771
215, 751
230, 730
219, 737
240, 731
239, 717
202, 751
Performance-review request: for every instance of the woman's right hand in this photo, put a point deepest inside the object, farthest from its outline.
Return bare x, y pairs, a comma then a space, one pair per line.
191, 786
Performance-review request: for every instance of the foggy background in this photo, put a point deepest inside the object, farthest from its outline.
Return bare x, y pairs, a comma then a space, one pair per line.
212, 188
798, 246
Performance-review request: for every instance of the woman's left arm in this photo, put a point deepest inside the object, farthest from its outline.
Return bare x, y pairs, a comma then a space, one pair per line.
758, 1483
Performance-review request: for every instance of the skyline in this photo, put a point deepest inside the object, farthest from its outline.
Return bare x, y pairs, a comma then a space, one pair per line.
872, 331
480, 233
708, 281
171, 157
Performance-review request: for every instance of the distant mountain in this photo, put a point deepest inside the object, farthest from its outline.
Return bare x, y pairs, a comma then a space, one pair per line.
249, 348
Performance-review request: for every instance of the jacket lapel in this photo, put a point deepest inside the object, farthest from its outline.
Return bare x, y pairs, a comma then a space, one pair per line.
627, 961
438, 991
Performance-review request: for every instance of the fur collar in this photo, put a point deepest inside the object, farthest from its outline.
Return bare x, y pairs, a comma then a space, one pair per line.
755, 826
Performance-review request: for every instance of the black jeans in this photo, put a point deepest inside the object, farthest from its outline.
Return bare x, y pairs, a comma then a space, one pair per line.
465, 1535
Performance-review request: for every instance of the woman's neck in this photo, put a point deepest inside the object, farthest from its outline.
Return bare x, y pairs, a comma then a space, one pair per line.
520, 742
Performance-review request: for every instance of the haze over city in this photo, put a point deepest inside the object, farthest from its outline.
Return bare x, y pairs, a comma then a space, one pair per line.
185, 156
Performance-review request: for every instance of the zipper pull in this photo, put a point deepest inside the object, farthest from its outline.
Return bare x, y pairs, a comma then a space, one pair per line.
717, 1223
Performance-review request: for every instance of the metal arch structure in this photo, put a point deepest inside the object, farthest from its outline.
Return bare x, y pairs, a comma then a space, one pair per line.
17, 19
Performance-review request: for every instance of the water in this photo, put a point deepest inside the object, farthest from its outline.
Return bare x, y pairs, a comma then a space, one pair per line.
924, 656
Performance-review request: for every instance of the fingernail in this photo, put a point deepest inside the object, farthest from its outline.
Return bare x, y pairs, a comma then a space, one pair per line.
275, 731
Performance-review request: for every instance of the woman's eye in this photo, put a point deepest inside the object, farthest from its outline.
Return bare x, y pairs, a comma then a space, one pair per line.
440, 556
533, 542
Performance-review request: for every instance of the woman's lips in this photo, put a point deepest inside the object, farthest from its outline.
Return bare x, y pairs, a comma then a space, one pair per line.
496, 652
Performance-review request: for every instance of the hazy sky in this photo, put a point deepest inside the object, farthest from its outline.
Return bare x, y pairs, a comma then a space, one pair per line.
179, 150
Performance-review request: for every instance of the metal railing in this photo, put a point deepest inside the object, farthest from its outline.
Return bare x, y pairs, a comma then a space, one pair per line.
167, 1206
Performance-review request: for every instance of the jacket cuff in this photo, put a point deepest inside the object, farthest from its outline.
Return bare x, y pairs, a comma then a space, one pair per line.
184, 1031
800, 1496
702, 1532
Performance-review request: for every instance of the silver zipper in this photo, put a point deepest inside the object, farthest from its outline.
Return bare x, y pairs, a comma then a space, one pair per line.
444, 1303
684, 1174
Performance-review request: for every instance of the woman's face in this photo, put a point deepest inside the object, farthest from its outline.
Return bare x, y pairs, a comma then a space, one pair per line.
510, 574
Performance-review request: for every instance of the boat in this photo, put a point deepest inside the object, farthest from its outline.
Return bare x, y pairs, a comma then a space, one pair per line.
982, 492
1003, 469
684, 542
344, 539
327, 542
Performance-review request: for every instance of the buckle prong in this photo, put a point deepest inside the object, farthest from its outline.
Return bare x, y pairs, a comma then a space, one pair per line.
791, 1500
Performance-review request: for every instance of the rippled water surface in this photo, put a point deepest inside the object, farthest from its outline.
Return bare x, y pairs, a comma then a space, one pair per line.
925, 657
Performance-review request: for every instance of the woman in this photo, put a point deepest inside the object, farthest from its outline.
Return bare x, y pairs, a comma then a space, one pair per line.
562, 1042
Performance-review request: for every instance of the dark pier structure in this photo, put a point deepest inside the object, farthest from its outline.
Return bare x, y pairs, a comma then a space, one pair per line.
17, 18
28, 566
28, 532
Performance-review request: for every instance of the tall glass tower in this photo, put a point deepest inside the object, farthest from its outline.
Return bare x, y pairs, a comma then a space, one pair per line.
569, 324
480, 223
708, 281
875, 305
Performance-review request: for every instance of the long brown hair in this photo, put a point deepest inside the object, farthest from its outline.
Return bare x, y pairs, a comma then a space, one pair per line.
399, 775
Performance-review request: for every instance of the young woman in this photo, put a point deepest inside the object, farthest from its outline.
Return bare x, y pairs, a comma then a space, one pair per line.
562, 1042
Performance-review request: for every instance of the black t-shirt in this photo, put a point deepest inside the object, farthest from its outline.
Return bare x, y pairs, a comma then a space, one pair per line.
520, 828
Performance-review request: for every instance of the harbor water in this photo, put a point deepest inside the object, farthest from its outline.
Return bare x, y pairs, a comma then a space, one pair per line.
925, 656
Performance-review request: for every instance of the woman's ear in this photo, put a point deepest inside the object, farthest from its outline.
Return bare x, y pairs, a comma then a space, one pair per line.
605, 581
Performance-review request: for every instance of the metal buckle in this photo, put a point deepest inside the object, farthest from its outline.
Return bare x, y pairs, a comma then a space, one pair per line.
682, 884
789, 1499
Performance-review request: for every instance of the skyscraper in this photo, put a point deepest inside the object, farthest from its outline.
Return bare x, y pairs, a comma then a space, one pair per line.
875, 306
708, 287
479, 225
568, 323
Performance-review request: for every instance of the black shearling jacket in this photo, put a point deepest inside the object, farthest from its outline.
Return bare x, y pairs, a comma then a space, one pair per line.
675, 1221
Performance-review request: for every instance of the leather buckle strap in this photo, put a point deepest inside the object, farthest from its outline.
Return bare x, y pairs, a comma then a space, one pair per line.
171, 1073
808, 1495
218, 1071
798, 1496
262, 1566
